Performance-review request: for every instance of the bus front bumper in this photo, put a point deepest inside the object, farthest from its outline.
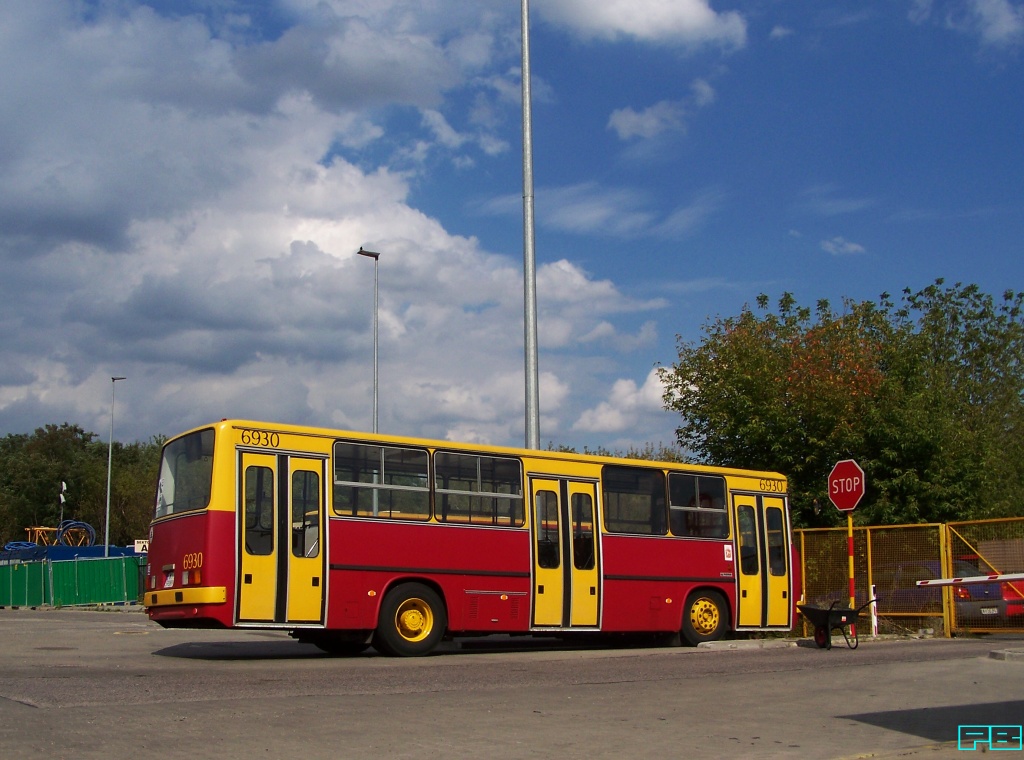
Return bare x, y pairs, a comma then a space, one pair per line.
176, 596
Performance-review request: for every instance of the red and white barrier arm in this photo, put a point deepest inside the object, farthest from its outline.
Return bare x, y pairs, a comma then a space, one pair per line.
994, 578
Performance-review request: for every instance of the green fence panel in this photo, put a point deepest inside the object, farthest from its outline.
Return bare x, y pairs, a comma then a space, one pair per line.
65, 582
95, 581
24, 585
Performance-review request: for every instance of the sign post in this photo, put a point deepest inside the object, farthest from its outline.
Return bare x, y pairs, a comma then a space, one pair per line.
845, 490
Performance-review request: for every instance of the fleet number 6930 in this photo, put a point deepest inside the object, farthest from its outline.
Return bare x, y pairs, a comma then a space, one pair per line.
192, 561
260, 438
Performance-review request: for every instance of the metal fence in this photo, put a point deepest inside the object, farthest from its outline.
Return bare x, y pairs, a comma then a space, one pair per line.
71, 582
891, 559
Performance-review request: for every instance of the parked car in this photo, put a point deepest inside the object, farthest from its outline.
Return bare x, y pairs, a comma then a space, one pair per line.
977, 603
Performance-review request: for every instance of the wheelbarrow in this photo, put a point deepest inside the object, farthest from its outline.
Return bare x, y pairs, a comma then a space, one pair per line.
827, 620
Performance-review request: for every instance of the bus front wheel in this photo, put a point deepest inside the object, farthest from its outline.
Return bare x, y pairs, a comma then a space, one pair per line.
705, 617
412, 621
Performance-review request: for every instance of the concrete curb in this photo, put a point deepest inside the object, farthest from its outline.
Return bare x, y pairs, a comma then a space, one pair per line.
751, 644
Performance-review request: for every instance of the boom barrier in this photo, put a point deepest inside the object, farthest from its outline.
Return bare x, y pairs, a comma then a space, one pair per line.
969, 579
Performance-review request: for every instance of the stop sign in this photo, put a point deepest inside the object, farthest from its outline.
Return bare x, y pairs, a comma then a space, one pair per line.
846, 485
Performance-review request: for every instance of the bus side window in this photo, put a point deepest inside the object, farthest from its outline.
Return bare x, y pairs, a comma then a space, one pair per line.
634, 500
697, 506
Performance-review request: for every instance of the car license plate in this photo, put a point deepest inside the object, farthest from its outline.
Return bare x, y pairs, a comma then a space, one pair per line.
989, 611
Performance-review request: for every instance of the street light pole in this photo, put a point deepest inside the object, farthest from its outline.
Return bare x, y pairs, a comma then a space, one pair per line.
529, 256
110, 462
376, 260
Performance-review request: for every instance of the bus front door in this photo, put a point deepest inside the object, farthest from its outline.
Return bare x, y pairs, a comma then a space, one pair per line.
566, 586
281, 556
764, 585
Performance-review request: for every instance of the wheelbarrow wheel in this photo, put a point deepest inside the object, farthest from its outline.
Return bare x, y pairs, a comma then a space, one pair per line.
821, 636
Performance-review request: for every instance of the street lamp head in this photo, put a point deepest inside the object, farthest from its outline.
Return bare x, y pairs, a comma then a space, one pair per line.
370, 254
115, 379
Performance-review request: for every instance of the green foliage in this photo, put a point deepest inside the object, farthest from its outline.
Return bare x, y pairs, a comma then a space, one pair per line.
926, 395
650, 452
32, 468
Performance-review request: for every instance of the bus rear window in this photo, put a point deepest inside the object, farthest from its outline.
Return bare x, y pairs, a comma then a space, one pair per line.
186, 474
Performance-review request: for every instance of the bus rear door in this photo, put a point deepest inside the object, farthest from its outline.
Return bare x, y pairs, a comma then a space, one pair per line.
566, 589
762, 549
280, 512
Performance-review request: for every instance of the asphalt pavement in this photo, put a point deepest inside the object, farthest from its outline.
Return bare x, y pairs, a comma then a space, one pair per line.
77, 683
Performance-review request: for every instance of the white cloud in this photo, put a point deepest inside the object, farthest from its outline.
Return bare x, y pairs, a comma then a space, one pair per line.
175, 209
840, 246
686, 22
589, 209
920, 10
652, 121
1000, 23
442, 130
685, 219
449, 137
574, 310
664, 116
625, 404
996, 23
825, 200
703, 92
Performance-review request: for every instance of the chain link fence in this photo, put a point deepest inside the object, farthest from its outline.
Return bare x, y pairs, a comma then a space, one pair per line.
891, 559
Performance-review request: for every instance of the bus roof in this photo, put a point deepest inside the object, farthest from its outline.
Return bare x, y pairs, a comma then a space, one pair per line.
382, 438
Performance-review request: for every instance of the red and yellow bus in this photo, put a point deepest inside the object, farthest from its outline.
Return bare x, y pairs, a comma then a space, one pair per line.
350, 539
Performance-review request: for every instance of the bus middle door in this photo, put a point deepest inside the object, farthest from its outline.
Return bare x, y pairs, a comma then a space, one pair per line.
281, 558
763, 562
565, 549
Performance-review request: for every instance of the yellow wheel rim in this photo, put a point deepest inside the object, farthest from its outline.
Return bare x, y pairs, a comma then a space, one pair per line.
704, 616
414, 620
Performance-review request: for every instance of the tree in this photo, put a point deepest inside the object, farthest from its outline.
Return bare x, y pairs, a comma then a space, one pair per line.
133, 490
926, 395
32, 468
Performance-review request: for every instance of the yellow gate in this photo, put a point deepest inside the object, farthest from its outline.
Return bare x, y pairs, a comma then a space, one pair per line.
890, 559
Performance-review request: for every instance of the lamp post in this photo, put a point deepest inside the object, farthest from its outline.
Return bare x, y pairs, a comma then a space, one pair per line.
110, 461
529, 257
376, 260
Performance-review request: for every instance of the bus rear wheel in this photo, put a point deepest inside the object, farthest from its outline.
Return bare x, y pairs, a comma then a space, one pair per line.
412, 621
705, 617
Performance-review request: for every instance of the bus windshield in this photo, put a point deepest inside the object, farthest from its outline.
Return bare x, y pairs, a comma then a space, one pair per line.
186, 474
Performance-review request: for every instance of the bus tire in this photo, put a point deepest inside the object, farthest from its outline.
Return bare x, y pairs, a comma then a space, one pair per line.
412, 621
705, 618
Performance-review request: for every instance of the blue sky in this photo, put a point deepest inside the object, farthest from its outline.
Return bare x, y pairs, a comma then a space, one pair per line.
185, 185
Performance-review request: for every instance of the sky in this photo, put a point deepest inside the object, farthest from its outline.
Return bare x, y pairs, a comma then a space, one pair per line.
184, 185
